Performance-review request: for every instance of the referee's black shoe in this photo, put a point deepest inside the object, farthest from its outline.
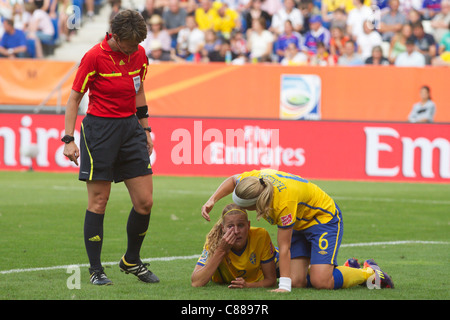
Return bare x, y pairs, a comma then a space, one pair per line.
98, 277
139, 270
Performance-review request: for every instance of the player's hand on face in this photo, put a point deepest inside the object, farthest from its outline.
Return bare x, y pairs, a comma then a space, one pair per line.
228, 239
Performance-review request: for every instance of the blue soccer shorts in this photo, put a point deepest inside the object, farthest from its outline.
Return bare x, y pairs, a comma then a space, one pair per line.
320, 242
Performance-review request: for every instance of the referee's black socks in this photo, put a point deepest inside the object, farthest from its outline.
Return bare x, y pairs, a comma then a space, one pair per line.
93, 237
136, 229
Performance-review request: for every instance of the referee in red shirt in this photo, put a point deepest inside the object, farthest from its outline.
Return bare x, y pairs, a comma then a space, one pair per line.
115, 141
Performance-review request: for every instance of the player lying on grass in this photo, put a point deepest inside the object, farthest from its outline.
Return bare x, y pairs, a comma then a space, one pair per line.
236, 254
309, 225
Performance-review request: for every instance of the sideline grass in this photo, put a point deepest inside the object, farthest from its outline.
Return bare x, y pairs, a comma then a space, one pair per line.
41, 225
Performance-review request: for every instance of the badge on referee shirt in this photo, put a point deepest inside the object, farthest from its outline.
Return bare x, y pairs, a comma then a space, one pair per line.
137, 83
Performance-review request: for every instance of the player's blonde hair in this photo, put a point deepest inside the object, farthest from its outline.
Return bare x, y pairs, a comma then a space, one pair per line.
215, 235
254, 187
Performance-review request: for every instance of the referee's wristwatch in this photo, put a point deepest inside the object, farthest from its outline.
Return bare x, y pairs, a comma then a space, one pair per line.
67, 139
149, 129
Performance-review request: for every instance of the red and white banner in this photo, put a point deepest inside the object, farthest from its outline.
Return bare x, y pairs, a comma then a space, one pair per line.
222, 147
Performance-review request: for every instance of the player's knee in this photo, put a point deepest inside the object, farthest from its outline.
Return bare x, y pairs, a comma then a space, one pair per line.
299, 282
144, 206
322, 283
98, 204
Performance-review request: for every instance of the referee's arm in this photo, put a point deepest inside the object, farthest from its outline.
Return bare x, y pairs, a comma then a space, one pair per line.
142, 101
71, 150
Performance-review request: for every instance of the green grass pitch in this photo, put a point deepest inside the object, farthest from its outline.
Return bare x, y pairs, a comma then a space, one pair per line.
403, 226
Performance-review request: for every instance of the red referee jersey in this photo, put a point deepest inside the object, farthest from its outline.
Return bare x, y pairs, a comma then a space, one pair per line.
113, 79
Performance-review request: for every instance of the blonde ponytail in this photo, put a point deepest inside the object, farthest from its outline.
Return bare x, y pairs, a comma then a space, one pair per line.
259, 188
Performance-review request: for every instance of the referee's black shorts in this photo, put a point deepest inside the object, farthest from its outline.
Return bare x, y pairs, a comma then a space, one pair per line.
113, 149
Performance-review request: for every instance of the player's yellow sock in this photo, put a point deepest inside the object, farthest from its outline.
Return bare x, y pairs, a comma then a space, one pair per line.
351, 276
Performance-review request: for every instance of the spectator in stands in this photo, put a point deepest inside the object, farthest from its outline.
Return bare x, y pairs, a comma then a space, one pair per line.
150, 10
238, 44
339, 19
40, 27
316, 33
411, 57
337, 41
329, 8
322, 57
288, 12
406, 6
226, 20
64, 11
392, 21
306, 8
272, 6
383, 5
190, 6
156, 52
205, 15
444, 50
49, 6
292, 56
368, 40
350, 57
116, 7
377, 57
190, 40
20, 16
254, 12
212, 43
440, 21
174, 20
89, 7
356, 17
430, 8
424, 110
156, 31
398, 42
237, 5
13, 43
220, 54
260, 41
289, 36
414, 16
424, 41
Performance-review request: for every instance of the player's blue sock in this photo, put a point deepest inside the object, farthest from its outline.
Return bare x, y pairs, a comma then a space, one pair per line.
338, 279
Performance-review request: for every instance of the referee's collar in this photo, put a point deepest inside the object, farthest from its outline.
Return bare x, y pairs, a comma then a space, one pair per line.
104, 45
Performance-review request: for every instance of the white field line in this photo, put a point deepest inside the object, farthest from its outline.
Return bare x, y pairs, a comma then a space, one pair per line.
196, 256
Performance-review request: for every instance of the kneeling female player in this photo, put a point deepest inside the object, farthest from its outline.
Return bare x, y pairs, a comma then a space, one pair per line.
309, 225
236, 254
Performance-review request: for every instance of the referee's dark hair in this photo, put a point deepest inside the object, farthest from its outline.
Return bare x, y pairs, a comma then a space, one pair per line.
129, 25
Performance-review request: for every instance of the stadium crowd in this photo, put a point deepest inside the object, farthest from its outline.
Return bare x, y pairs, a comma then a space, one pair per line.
288, 32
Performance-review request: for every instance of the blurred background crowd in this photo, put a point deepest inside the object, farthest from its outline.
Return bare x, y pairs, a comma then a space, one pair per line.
288, 32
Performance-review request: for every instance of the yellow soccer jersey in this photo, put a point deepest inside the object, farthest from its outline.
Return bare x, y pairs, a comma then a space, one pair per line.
245, 264
296, 201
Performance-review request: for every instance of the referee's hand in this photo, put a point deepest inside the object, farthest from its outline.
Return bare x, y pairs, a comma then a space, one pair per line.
72, 152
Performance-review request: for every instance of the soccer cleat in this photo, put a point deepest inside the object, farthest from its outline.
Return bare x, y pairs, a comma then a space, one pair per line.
139, 270
98, 277
352, 263
381, 277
